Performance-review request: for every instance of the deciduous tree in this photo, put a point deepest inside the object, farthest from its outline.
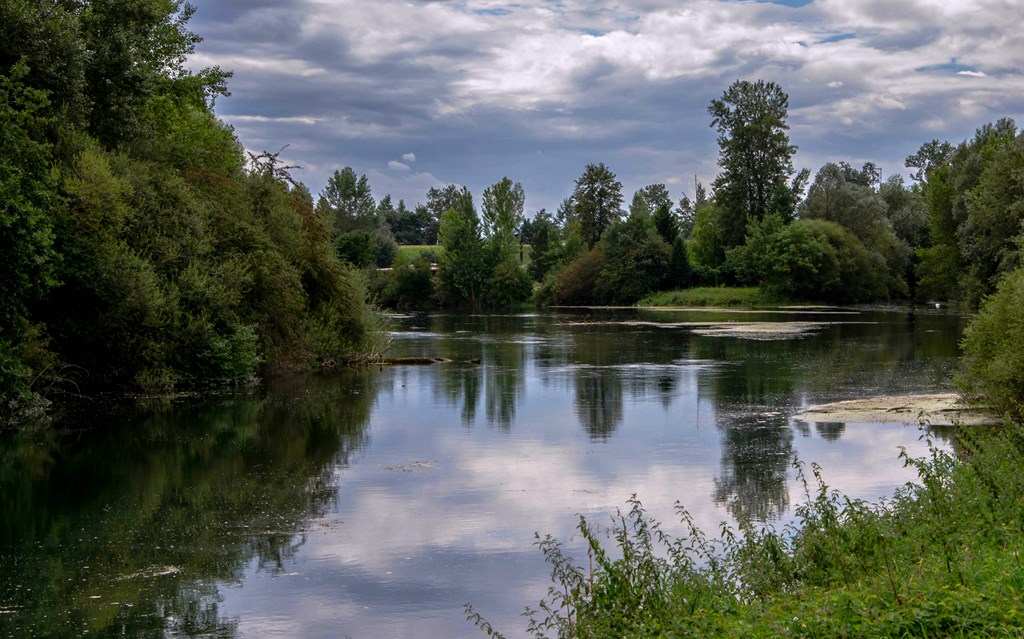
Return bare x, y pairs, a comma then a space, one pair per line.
755, 153
596, 202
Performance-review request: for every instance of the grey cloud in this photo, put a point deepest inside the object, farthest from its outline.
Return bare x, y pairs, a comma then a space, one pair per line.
526, 95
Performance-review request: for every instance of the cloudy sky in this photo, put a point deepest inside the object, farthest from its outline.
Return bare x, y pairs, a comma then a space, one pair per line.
417, 93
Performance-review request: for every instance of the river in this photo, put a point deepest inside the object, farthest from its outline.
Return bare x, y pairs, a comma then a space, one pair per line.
376, 502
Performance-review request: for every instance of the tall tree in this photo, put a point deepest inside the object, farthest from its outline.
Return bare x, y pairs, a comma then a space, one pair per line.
656, 195
503, 215
754, 153
347, 202
596, 202
930, 155
462, 269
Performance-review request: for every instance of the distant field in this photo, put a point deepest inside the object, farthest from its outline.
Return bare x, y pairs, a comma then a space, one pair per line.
412, 251
710, 296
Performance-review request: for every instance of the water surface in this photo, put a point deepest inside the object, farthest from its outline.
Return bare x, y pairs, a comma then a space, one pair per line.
376, 502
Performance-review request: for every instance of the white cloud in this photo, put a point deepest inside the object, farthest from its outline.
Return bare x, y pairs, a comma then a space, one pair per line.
409, 157
398, 166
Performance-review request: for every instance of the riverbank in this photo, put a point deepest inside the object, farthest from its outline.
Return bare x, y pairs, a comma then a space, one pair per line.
939, 559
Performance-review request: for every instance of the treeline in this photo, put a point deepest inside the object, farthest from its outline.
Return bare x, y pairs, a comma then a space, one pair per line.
848, 235
139, 247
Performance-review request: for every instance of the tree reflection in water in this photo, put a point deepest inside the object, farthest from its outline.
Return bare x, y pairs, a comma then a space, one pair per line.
124, 527
599, 401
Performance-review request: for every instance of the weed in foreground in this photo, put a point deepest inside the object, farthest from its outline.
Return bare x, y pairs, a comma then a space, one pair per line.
940, 558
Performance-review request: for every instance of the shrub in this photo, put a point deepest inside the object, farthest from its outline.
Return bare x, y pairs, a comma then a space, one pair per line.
410, 285
993, 363
578, 282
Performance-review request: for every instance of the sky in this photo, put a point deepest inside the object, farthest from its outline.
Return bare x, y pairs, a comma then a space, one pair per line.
418, 94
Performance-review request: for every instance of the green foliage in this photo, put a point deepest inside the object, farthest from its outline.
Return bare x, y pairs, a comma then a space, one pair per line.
480, 263
974, 214
636, 259
508, 285
411, 285
709, 236
810, 260
45, 38
939, 264
665, 224
545, 246
938, 559
596, 202
28, 204
358, 248
754, 153
816, 259
347, 202
461, 271
993, 364
408, 227
995, 212
502, 216
579, 281
137, 250
843, 195
679, 274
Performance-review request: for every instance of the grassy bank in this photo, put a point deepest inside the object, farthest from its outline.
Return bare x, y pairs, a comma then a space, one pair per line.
711, 296
941, 558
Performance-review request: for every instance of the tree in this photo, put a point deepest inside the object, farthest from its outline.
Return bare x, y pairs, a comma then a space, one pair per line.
679, 271
991, 233
809, 259
596, 202
656, 195
438, 201
545, 245
754, 153
686, 211
347, 202
462, 270
862, 210
635, 257
137, 51
28, 205
665, 223
503, 216
507, 282
993, 345
659, 203
930, 155
960, 262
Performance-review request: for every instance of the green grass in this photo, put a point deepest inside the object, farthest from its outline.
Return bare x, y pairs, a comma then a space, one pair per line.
409, 252
711, 296
941, 558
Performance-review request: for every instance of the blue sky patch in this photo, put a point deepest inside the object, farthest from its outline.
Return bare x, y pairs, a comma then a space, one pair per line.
951, 67
839, 37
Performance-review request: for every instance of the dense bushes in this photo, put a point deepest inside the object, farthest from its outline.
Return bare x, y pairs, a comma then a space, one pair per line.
993, 369
136, 248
